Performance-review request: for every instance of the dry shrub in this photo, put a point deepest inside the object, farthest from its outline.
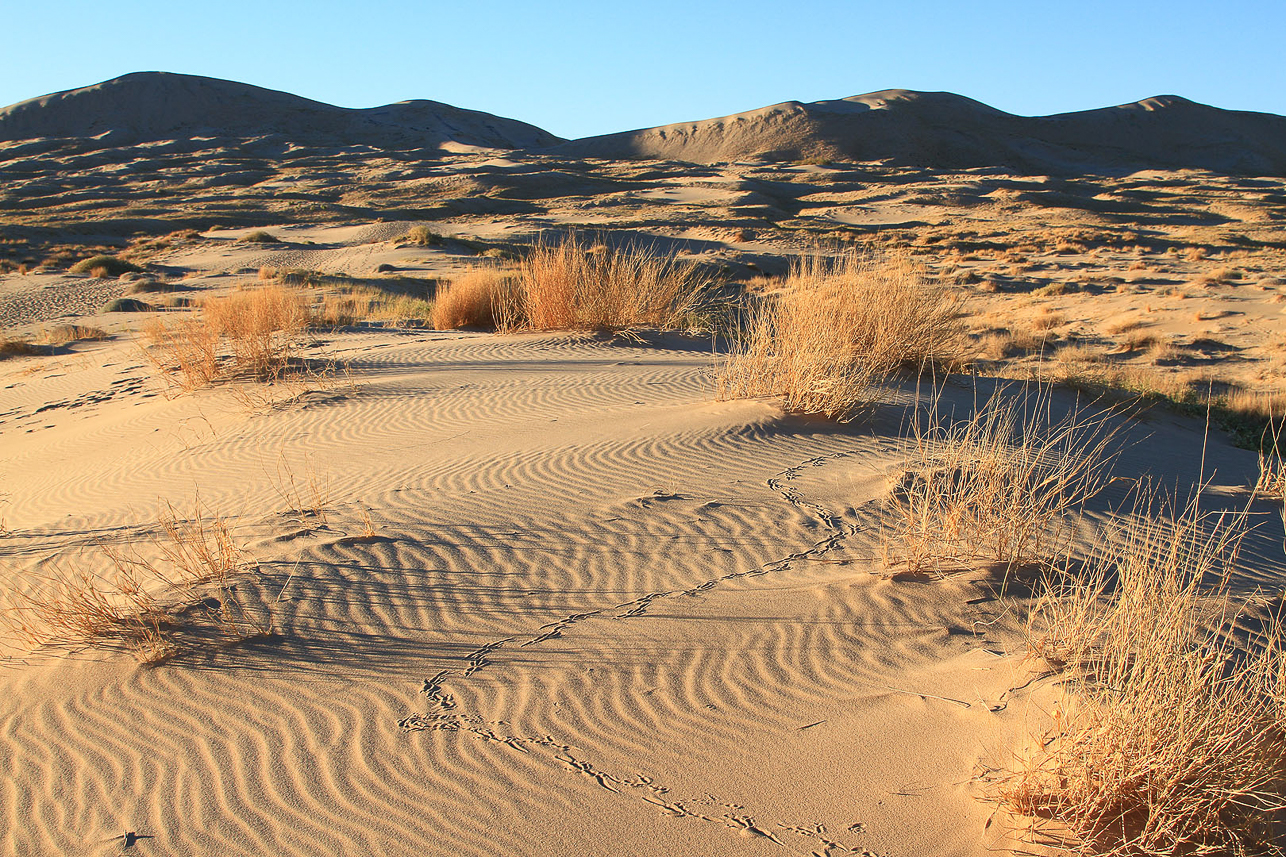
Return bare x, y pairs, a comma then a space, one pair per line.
1272, 477
1047, 320
361, 304
997, 486
18, 348
63, 333
1139, 340
104, 266
477, 298
422, 236
1003, 344
256, 330
1125, 325
259, 236
574, 286
1269, 405
78, 608
1167, 738
836, 328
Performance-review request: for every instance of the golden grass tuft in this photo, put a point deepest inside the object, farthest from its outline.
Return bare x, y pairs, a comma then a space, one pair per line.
996, 486
422, 236
576, 286
18, 348
104, 266
836, 328
1168, 736
251, 333
477, 299
354, 304
132, 604
63, 333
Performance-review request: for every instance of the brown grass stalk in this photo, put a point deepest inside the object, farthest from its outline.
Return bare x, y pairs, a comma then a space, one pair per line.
837, 327
997, 486
574, 286
477, 298
1168, 735
133, 603
252, 333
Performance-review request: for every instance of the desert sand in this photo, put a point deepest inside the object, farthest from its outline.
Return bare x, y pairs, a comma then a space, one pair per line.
544, 593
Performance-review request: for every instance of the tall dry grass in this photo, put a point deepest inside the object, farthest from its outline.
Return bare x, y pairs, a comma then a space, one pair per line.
478, 298
1168, 736
132, 602
252, 333
997, 486
573, 285
837, 327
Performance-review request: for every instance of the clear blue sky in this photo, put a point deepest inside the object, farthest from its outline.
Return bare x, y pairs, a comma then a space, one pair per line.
582, 68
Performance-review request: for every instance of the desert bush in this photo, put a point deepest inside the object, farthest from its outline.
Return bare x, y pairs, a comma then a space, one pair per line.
474, 299
358, 303
574, 286
127, 305
64, 333
259, 236
835, 329
18, 348
997, 486
132, 604
422, 236
1168, 735
104, 266
142, 287
256, 329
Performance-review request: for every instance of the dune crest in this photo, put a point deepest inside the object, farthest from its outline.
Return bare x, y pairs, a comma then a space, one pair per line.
157, 105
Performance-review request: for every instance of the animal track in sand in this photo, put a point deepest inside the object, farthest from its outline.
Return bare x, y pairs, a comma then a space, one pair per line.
443, 713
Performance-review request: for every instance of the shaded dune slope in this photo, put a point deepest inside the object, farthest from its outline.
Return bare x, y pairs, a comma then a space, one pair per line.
147, 106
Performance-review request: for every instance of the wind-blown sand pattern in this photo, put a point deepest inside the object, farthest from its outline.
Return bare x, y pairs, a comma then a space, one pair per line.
558, 599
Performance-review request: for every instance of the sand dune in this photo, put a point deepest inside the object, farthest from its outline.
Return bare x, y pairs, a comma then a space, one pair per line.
149, 106
945, 131
937, 130
541, 593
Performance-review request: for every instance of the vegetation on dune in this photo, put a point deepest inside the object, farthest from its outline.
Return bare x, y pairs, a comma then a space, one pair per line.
837, 327
104, 266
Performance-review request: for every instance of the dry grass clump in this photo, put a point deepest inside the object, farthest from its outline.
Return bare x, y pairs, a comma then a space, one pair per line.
132, 605
996, 486
477, 298
1125, 325
1047, 319
837, 327
63, 333
1003, 344
364, 303
18, 348
252, 333
422, 236
1272, 477
575, 286
1168, 738
259, 236
104, 266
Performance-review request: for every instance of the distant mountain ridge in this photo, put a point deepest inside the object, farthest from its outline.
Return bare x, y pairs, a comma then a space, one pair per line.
936, 130
946, 131
153, 105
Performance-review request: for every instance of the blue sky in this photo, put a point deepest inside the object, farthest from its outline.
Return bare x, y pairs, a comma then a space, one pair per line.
581, 68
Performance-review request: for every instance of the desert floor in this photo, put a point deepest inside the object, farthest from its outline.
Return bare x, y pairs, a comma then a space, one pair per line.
544, 594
